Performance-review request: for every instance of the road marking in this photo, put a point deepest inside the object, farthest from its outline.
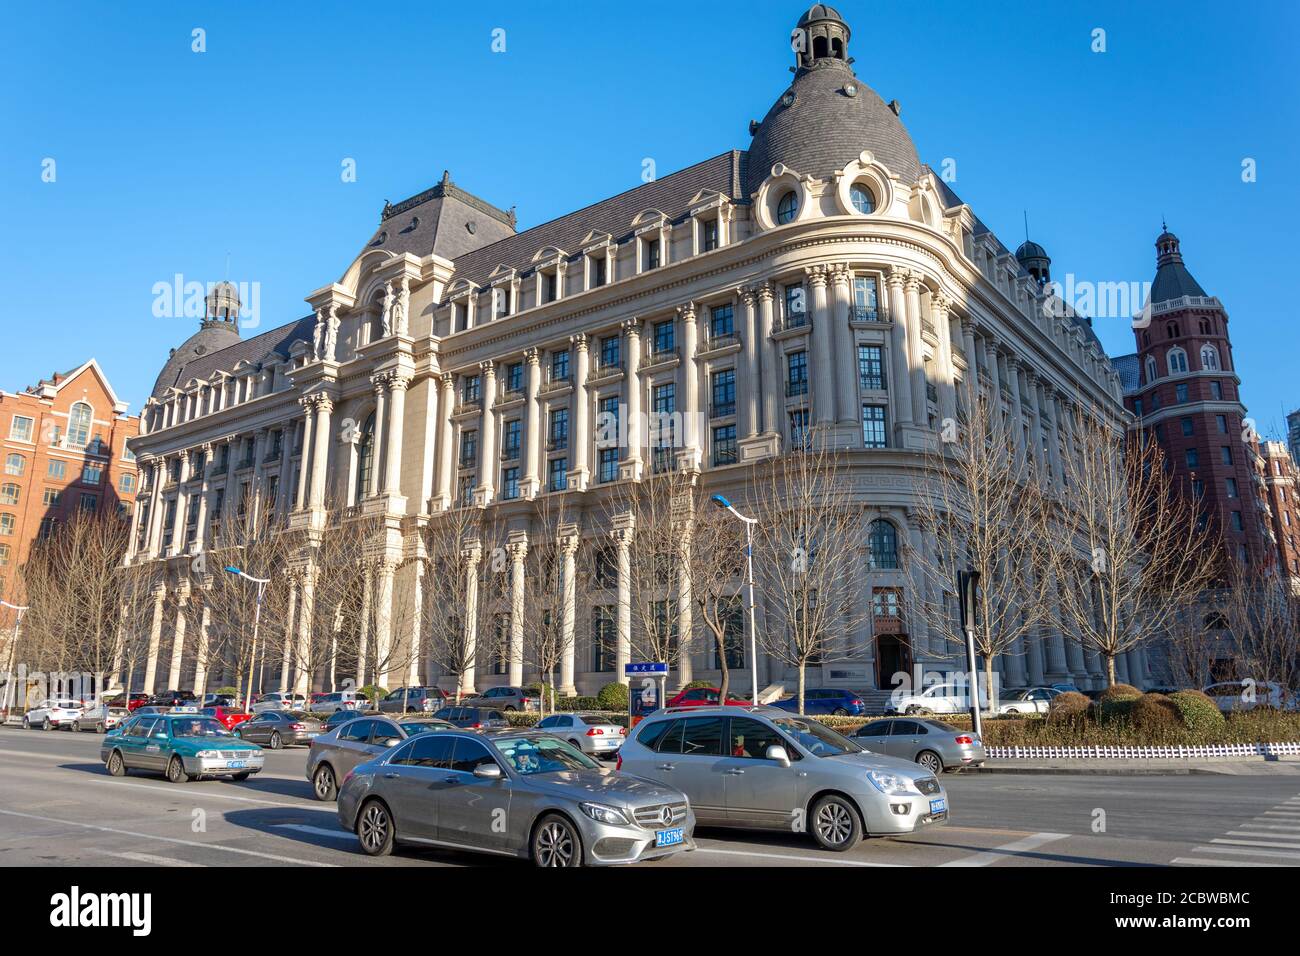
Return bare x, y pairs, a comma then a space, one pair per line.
985, 857
1273, 826
1287, 814
1263, 833
149, 836
1283, 846
150, 859
1192, 861
798, 859
318, 831
1243, 852
30, 753
199, 792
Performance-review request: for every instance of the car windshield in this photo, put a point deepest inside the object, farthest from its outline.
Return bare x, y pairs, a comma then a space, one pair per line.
818, 739
199, 727
541, 754
420, 727
1015, 694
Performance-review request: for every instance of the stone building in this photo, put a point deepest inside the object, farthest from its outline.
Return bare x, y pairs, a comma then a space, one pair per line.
824, 278
1277, 474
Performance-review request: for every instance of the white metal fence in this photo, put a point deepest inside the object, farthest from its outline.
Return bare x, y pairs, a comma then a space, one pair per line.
1198, 752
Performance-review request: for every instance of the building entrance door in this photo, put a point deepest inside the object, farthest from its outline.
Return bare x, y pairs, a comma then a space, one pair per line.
893, 656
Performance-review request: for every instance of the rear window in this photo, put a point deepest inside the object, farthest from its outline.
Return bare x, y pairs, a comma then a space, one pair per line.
702, 737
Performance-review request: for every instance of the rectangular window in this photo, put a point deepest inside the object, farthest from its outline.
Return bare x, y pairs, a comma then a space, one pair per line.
549, 287
470, 389
1193, 458
1198, 488
796, 309
468, 448
511, 439
560, 366
1137, 407
1227, 455
724, 393
724, 445
796, 373
1221, 423
710, 235
57, 469
663, 427
510, 483
501, 301
1188, 426
652, 254
1231, 484
7, 523
1237, 524
515, 377
733, 640
603, 638
871, 367
559, 474
598, 270
1180, 393
609, 351
608, 464
865, 308
799, 428
126, 484
607, 426
721, 322
558, 429
873, 426
1216, 390
665, 337
20, 428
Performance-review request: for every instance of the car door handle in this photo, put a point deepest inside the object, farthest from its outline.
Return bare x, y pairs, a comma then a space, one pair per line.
390, 776
735, 772
664, 766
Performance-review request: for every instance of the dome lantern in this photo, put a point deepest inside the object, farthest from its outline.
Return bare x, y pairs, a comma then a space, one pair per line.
820, 38
222, 305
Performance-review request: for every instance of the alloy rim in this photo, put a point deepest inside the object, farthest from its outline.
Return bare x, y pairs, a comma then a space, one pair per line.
554, 845
833, 823
323, 782
374, 827
930, 762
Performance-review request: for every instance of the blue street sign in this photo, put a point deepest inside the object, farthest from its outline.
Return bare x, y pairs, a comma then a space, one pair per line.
646, 668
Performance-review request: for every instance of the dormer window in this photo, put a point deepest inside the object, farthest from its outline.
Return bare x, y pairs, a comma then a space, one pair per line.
710, 230
550, 287
598, 277
652, 254
501, 302
787, 208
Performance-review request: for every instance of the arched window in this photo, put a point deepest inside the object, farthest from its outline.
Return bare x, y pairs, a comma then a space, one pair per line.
884, 545
1177, 360
863, 201
15, 464
1151, 370
1172, 329
787, 208
1209, 358
366, 465
10, 493
79, 425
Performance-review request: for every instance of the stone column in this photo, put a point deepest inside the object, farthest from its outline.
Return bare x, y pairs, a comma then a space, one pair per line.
286, 651
995, 387
205, 492
846, 358
397, 385
971, 382
1013, 663
304, 460
320, 456
1033, 645
580, 440
202, 650
363, 638
533, 450
384, 622
415, 650
472, 556
306, 616
635, 438
623, 652
155, 640
772, 378
178, 523
1058, 416
377, 474
748, 419
1036, 426
178, 638
447, 441
823, 372
690, 381
1016, 425
568, 548
947, 379
518, 551
487, 433
899, 348
156, 511
912, 290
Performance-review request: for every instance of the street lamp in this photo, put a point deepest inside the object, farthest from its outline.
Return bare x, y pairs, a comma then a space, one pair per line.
257, 616
13, 651
722, 502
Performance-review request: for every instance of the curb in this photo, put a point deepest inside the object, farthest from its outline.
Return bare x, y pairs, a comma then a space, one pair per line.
1276, 766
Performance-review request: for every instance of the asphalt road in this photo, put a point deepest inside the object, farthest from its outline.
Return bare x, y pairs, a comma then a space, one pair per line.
59, 807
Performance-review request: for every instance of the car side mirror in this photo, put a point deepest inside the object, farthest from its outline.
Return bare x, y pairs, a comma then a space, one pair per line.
779, 754
488, 771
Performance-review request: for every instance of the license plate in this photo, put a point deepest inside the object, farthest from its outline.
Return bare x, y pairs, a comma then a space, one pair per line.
669, 837
236, 764
939, 806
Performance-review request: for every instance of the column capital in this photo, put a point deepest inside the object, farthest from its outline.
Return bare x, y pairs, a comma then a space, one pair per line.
623, 536
397, 382
748, 295
631, 327
568, 541
841, 274
579, 341
968, 325
897, 276
764, 291
518, 550
533, 356
448, 380
816, 276
471, 552
488, 367
686, 312
912, 281
940, 303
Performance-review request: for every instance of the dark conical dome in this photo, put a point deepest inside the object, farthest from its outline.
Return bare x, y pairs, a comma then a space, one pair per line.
1030, 250
1172, 280
212, 337
828, 117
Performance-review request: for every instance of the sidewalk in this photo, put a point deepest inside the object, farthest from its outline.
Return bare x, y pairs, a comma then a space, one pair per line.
1158, 766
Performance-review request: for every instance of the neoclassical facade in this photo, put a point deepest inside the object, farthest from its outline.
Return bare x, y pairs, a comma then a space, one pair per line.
821, 280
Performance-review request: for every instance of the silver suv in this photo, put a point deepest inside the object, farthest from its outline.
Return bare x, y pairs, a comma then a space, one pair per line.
760, 767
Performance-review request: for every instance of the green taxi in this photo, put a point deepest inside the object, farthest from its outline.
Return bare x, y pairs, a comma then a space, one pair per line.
181, 746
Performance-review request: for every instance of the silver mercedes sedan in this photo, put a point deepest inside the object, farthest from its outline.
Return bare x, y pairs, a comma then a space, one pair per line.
516, 792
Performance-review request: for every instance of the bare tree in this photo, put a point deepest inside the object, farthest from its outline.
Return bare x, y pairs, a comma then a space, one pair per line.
806, 557
1263, 616
1129, 551
985, 506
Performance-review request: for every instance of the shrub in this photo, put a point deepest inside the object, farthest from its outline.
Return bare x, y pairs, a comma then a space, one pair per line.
1156, 715
577, 703
1069, 707
612, 696
372, 693
232, 691
1120, 692
1199, 713
699, 683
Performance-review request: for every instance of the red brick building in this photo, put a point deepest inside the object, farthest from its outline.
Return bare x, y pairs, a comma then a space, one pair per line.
63, 449
1182, 386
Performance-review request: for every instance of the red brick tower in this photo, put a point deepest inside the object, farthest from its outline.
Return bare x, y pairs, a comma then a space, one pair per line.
1188, 395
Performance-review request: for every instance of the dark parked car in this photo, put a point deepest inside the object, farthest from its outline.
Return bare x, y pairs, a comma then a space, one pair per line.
424, 699
173, 698
472, 718
825, 700
338, 718
135, 701
352, 742
279, 728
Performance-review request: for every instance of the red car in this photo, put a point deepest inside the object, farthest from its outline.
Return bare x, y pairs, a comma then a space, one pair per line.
705, 697
137, 700
228, 717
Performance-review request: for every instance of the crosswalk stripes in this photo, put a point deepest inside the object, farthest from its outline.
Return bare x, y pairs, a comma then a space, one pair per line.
1270, 839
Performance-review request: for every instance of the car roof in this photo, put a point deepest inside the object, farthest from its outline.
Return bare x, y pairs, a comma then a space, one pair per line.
719, 711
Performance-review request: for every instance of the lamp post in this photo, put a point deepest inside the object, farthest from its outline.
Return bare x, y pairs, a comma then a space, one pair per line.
722, 502
967, 582
13, 651
257, 617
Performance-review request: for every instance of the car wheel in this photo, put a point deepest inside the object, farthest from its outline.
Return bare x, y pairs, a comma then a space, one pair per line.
116, 765
239, 777
99, 727
275, 743
556, 842
375, 829
840, 712
176, 771
1011, 710
27, 724
910, 709
509, 709
46, 725
76, 726
930, 761
323, 784
835, 823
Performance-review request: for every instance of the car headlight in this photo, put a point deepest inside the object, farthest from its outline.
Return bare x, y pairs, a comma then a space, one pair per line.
604, 814
891, 783
208, 754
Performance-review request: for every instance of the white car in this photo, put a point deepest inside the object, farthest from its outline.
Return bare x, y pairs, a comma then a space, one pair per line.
100, 718
338, 700
1248, 694
1027, 700
279, 701
594, 736
938, 699
49, 714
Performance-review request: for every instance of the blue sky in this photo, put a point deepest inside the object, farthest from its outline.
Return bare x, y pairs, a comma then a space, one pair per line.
169, 161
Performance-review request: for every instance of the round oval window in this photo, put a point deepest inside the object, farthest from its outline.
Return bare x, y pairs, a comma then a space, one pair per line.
862, 199
786, 208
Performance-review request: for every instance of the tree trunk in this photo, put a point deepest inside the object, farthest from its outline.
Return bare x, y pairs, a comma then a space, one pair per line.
988, 682
802, 685
724, 682
1110, 669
